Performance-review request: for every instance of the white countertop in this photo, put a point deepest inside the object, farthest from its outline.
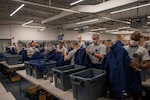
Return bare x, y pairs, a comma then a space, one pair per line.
14, 66
62, 95
2, 89
7, 96
31, 79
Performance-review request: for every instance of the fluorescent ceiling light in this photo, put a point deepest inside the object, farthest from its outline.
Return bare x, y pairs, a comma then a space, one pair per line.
99, 29
122, 32
16, 10
27, 23
92, 33
148, 22
148, 16
140, 6
41, 27
123, 28
115, 30
73, 3
46, 6
88, 21
77, 28
126, 22
85, 27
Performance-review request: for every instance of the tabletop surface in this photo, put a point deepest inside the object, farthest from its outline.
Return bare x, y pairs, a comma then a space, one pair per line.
2, 89
12, 66
7, 96
31, 79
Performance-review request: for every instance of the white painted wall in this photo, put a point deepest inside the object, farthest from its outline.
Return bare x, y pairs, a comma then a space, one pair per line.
127, 37
23, 33
72, 35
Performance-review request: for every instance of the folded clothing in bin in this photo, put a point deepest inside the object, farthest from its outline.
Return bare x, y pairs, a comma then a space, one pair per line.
40, 67
40, 64
61, 75
89, 84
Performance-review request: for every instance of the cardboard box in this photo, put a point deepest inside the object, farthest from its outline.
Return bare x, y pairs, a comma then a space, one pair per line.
33, 89
15, 79
8, 70
42, 96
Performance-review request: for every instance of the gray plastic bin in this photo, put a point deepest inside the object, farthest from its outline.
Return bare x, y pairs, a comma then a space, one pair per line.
50, 65
61, 75
13, 59
89, 84
3, 55
28, 69
36, 73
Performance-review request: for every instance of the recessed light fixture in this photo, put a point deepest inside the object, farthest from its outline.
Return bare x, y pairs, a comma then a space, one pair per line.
17, 10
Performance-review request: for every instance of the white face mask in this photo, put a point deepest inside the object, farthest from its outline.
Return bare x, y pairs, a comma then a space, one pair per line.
134, 43
58, 46
94, 41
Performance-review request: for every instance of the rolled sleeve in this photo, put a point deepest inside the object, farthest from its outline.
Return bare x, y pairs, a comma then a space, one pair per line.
145, 55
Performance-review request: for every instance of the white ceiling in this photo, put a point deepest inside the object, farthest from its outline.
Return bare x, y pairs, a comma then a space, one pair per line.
68, 20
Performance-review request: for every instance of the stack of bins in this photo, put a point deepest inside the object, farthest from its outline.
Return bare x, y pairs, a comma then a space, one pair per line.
61, 75
13, 59
33, 70
89, 84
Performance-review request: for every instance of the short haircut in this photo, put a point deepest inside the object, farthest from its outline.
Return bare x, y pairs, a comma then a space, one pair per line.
137, 34
96, 35
75, 43
60, 41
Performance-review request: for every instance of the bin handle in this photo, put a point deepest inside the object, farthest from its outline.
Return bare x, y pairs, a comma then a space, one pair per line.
77, 82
